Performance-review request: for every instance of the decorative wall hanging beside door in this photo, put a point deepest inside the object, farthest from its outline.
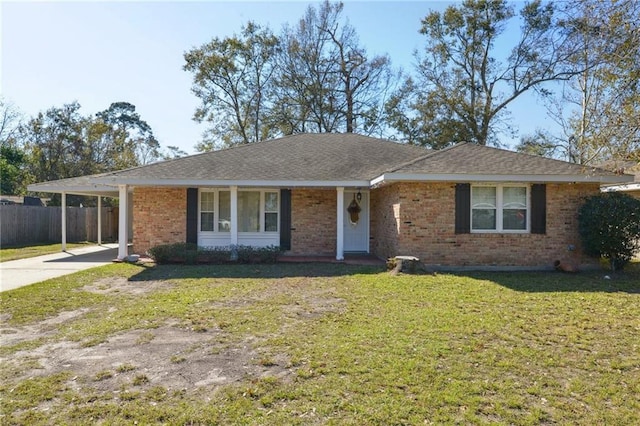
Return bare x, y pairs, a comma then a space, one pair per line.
354, 210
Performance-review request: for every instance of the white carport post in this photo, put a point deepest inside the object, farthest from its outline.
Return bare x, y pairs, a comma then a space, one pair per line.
340, 224
64, 221
99, 220
123, 239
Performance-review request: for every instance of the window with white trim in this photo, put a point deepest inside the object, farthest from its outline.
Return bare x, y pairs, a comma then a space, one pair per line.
224, 211
215, 208
248, 211
258, 211
271, 212
207, 211
500, 208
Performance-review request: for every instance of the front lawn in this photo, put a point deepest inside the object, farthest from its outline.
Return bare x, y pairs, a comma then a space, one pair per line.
320, 344
33, 250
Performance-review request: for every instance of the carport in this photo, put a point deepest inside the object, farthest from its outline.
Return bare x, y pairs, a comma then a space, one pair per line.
83, 185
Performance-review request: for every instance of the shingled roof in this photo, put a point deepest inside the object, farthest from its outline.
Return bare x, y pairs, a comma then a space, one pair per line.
301, 157
468, 158
335, 159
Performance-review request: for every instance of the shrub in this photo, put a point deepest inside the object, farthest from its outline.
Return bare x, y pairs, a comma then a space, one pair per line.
191, 254
174, 253
249, 254
609, 226
214, 255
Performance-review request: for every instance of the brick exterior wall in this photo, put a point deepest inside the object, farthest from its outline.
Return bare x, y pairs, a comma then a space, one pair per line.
160, 217
418, 219
313, 220
406, 218
385, 220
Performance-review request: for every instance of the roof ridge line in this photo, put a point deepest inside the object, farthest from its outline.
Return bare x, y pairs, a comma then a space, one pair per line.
422, 157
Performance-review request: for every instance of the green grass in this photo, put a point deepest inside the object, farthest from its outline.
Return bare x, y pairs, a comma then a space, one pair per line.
33, 250
363, 347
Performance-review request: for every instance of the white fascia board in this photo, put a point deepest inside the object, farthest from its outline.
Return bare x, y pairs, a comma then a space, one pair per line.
74, 189
457, 177
239, 183
623, 187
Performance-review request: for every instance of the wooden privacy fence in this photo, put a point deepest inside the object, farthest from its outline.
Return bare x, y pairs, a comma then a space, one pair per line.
21, 224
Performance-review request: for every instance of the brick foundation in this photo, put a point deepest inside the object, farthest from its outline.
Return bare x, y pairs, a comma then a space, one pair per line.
160, 217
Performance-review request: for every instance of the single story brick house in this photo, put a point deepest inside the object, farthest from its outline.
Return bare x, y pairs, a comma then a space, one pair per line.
334, 194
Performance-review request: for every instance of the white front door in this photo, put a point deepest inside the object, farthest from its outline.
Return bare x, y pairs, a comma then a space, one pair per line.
356, 229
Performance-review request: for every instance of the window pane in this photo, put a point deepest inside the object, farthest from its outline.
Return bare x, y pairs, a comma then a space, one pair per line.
206, 201
483, 219
484, 197
514, 219
248, 211
206, 221
271, 201
224, 211
514, 198
271, 222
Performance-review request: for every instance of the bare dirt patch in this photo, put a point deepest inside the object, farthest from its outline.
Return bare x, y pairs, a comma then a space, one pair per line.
121, 285
14, 335
168, 356
171, 356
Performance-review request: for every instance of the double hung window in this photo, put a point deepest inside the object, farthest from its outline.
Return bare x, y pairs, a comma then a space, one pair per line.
499, 208
215, 211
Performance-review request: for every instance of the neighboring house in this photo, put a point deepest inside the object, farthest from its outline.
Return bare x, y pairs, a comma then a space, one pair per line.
19, 199
331, 194
630, 167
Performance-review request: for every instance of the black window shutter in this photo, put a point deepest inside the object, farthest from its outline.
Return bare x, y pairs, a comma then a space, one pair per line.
539, 209
285, 219
463, 208
192, 215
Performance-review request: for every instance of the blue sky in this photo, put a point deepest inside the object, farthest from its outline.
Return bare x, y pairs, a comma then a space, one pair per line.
97, 53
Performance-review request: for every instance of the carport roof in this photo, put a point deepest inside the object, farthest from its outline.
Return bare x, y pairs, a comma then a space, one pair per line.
81, 185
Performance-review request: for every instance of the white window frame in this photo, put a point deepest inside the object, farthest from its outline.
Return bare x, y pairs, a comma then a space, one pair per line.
216, 212
499, 209
264, 211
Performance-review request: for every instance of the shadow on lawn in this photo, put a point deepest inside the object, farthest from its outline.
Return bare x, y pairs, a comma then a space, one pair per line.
278, 270
627, 281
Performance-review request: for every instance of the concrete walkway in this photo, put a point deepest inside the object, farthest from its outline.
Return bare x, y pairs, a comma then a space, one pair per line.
22, 272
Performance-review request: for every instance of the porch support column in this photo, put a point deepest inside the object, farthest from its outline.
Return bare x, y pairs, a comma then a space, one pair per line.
340, 224
64, 221
234, 215
99, 220
123, 239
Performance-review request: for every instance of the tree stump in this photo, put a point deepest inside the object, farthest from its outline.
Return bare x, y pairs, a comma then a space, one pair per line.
406, 264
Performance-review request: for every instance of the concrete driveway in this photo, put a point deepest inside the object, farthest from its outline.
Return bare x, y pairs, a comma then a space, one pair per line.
19, 273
